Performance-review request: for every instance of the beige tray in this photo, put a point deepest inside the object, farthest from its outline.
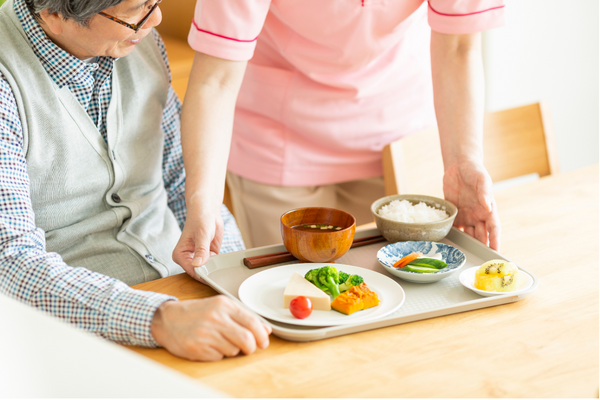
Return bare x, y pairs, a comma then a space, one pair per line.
225, 273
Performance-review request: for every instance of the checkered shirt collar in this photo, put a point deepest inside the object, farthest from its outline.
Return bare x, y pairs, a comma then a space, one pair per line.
61, 66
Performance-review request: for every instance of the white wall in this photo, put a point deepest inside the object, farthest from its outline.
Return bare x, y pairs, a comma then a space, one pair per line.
548, 50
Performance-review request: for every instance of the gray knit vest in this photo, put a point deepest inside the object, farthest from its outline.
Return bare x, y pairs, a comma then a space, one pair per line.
102, 206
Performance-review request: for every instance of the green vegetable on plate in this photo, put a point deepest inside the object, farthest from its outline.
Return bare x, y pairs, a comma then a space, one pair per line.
429, 263
421, 270
425, 265
352, 280
332, 281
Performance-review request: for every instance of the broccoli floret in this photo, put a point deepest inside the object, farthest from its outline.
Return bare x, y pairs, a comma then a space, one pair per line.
313, 277
329, 277
343, 277
353, 280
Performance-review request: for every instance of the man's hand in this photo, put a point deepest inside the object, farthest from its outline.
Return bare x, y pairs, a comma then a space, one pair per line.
208, 329
201, 237
468, 186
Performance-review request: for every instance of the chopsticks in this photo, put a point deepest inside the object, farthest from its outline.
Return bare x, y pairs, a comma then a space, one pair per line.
284, 256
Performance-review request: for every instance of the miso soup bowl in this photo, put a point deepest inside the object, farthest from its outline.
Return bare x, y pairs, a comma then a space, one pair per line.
395, 231
317, 246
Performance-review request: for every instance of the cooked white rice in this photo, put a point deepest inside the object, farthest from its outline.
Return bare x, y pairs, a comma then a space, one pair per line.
405, 211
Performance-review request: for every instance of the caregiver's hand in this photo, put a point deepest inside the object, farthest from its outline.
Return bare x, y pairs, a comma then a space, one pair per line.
206, 126
468, 185
201, 237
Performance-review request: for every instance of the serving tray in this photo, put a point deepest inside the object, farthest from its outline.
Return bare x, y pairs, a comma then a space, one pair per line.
225, 273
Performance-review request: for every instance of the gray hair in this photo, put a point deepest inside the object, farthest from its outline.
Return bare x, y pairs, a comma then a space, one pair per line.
80, 11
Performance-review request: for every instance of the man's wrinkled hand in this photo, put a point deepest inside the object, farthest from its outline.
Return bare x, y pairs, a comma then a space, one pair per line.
468, 186
208, 329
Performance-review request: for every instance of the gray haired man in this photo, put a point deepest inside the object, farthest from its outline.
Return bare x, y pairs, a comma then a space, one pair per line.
92, 179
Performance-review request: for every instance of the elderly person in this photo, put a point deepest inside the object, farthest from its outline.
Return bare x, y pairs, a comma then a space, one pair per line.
92, 179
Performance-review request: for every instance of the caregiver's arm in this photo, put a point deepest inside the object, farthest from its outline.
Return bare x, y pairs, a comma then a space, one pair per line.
458, 85
206, 125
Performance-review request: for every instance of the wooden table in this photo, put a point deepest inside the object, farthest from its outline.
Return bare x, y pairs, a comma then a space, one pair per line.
545, 345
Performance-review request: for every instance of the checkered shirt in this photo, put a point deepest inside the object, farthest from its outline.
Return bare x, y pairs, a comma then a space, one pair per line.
94, 302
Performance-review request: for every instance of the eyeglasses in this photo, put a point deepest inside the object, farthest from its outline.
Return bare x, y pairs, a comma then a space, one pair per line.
135, 27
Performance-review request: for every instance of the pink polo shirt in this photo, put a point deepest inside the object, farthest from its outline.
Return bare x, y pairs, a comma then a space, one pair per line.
329, 82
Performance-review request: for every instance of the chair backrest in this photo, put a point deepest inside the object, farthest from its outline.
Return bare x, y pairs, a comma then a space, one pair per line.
176, 22
516, 142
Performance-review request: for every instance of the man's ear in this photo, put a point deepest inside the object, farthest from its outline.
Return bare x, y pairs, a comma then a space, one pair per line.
53, 21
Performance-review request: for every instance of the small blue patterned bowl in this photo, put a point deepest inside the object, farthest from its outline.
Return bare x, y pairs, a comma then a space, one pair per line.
391, 253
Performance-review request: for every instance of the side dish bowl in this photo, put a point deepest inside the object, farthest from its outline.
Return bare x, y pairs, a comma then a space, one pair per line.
317, 246
395, 231
391, 253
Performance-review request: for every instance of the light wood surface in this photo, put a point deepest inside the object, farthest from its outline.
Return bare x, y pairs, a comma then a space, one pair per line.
516, 142
545, 345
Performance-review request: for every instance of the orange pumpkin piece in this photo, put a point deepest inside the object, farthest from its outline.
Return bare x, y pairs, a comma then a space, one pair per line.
355, 299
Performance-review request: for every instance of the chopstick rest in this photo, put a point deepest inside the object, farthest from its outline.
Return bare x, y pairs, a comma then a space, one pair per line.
284, 256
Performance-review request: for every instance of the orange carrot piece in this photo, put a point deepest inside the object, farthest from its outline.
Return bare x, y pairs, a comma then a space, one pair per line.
406, 259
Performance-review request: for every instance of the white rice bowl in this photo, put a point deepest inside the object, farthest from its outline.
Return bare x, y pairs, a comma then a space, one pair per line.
405, 211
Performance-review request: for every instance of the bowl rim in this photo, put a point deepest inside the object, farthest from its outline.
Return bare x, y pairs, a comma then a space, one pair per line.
396, 196
317, 232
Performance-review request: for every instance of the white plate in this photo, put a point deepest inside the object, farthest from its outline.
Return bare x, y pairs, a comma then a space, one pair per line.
263, 293
467, 278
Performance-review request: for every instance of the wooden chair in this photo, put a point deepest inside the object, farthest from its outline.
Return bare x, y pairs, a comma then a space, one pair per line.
174, 28
516, 142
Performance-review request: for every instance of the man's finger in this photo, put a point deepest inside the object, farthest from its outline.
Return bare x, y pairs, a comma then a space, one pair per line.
225, 347
240, 337
206, 353
254, 325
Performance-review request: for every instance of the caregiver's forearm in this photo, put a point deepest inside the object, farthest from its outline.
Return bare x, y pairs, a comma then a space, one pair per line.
206, 125
458, 85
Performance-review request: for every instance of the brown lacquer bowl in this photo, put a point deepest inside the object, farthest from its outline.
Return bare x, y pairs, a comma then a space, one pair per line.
317, 245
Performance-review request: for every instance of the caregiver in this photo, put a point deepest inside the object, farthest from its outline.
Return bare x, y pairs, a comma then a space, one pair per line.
318, 88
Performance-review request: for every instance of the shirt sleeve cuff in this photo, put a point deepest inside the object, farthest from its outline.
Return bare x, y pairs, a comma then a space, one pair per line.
131, 317
465, 23
220, 46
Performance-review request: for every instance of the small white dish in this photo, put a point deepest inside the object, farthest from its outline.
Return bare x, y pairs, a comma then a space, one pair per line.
467, 278
263, 293
391, 253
